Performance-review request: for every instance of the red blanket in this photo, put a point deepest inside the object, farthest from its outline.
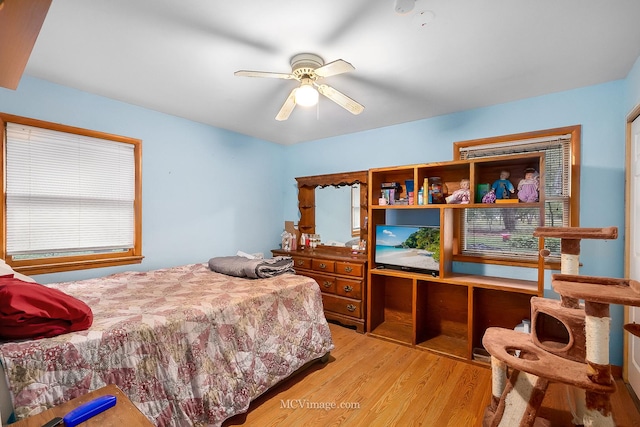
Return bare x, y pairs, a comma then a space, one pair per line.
29, 311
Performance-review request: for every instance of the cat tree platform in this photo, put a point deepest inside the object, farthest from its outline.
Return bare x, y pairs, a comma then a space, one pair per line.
605, 290
502, 343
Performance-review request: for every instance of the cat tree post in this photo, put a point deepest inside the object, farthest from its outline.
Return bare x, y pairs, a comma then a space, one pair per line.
498, 380
597, 328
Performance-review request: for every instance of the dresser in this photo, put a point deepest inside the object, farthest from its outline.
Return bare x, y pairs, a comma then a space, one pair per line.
341, 276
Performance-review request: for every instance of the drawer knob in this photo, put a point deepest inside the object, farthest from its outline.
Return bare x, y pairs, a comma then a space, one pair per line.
348, 288
348, 269
326, 284
323, 265
351, 308
300, 262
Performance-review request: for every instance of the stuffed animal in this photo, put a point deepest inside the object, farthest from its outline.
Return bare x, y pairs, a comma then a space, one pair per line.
490, 197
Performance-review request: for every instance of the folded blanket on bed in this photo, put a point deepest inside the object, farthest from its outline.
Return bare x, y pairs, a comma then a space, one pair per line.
240, 266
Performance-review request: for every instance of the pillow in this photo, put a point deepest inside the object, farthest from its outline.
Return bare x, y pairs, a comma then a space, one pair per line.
30, 311
353, 242
6, 269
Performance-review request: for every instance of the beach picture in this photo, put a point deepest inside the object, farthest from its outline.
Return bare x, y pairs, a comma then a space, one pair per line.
408, 246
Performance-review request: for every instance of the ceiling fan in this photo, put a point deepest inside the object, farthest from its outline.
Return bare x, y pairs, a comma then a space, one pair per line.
308, 69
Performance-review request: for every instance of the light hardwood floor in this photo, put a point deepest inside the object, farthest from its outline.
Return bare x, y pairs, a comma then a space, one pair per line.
371, 382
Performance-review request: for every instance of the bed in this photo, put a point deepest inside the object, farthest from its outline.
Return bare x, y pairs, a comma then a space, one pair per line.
187, 345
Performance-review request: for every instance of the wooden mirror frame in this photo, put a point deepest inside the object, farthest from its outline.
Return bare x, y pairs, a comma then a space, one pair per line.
307, 198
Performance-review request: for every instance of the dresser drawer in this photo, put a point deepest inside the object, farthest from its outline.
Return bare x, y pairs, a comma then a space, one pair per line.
342, 305
323, 265
301, 263
326, 283
349, 269
349, 288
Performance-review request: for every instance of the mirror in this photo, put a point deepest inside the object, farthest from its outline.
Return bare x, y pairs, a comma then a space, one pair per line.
338, 215
327, 204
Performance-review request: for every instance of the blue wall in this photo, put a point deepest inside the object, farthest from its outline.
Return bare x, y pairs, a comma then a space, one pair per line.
206, 191
210, 192
633, 87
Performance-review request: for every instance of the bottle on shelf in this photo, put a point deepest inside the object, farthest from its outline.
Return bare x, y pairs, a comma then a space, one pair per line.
436, 194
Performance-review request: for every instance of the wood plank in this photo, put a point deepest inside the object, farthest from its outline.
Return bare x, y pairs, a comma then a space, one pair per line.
387, 384
20, 23
450, 345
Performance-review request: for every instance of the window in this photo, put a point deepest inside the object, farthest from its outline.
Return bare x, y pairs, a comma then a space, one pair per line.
507, 233
71, 197
355, 210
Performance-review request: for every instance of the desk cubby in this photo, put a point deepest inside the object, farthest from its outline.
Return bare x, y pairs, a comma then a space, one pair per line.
498, 308
442, 323
393, 308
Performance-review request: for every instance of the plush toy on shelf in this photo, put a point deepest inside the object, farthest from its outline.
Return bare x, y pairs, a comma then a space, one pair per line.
461, 195
490, 197
528, 186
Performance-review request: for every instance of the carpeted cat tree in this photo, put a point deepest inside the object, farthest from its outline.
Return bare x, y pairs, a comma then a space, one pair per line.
569, 342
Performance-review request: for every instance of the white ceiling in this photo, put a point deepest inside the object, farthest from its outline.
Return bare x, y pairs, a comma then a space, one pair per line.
179, 57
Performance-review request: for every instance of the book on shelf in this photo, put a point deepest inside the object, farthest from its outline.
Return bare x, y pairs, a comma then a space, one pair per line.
481, 190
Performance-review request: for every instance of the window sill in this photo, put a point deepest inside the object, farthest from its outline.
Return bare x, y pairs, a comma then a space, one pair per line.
527, 263
50, 266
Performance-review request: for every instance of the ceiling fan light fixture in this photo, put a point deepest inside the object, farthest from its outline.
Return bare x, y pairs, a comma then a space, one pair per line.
306, 94
307, 68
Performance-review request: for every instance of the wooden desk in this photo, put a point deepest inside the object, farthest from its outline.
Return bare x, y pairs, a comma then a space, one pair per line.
123, 414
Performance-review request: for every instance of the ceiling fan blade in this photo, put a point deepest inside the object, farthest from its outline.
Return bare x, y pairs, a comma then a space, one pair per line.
341, 99
247, 73
338, 66
288, 106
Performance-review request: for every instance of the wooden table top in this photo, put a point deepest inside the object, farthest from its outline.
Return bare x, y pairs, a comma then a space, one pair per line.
124, 413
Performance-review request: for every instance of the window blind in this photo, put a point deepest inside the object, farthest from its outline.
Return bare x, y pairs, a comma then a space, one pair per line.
518, 242
67, 192
557, 151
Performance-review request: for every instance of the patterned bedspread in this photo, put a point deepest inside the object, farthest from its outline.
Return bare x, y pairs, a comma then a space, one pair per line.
187, 345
